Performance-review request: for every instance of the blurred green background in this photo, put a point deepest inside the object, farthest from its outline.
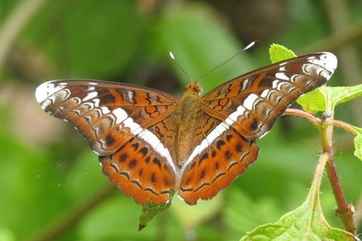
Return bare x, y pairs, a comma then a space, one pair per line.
49, 176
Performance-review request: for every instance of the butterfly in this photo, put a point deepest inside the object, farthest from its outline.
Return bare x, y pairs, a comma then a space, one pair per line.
151, 144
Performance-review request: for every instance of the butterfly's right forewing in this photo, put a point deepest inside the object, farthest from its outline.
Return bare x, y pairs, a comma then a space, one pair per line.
252, 102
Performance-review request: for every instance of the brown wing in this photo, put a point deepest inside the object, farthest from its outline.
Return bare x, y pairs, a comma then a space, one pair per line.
114, 119
252, 102
245, 108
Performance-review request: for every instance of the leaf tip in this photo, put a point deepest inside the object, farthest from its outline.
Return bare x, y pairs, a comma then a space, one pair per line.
278, 52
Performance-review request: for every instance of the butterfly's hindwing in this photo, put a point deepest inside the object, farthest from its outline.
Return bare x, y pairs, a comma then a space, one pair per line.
140, 172
216, 166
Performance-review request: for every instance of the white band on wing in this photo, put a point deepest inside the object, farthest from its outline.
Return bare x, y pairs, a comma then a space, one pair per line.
146, 135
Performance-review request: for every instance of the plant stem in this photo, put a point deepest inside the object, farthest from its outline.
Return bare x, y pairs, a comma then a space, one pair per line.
75, 216
326, 126
344, 210
313, 195
302, 114
358, 213
317, 121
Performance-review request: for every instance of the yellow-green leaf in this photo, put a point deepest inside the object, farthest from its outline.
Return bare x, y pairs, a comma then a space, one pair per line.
307, 222
279, 53
6, 235
149, 211
313, 101
339, 95
358, 146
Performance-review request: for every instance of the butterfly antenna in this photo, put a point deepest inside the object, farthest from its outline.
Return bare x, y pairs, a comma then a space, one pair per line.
172, 56
250, 45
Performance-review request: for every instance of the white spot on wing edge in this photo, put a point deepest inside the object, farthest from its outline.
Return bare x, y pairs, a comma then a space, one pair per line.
329, 60
46, 89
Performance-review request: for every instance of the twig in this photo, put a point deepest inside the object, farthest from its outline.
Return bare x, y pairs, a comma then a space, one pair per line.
326, 125
317, 121
302, 114
75, 216
358, 213
317, 179
344, 210
343, 125
15, 23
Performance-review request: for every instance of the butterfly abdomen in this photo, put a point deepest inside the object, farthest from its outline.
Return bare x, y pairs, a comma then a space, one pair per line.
187, 114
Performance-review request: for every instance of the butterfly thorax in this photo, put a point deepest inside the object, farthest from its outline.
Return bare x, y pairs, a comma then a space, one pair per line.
186, 117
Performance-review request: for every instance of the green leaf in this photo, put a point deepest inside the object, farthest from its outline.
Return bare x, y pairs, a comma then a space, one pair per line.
302, 223
313, 101
339, 95
358, 146
279, 53
6, 235
317, 100
199, 42
307, 222
149, 211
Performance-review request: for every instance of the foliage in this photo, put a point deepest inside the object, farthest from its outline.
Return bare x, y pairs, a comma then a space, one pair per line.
306, 222
43, 181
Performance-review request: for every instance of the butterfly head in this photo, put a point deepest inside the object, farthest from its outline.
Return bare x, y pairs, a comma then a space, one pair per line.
193, 88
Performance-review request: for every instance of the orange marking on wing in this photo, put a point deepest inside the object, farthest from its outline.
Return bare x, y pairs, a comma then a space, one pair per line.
217, 167
140, 173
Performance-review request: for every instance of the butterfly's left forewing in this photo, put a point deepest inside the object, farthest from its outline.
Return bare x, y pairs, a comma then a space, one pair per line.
246, 108
115, 119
